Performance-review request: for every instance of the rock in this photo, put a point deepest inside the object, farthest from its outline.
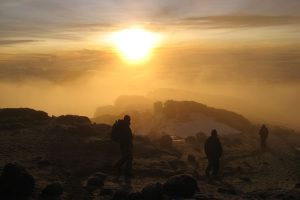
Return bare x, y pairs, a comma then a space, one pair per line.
53, 190
177, 164
230, 191
78, 129
43, 163
100, 175
201, 137
154, 172
202, 196
15, 182
145, 140
191, 140
17, 118
191, 158
192, 161
120, 195
102, 130
135, 196
152, 191
72, 120
166, 141
246, 179
95, 182
146, 151
106, 191
229, 171
183, 186
184, 109
274, 194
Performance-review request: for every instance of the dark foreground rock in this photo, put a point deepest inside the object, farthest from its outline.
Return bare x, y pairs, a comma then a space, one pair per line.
153, 191
275, 194
16, 182
183, 186
95, 182
18, 118
121, 195
52, 191
72, 120
229, 191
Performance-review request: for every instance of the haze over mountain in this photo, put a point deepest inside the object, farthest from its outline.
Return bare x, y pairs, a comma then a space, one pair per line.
241, 56
209, 85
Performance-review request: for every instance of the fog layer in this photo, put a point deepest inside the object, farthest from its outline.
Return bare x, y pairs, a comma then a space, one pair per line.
261, 83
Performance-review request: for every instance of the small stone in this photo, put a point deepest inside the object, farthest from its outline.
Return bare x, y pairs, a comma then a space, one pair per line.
230, 191
182, 185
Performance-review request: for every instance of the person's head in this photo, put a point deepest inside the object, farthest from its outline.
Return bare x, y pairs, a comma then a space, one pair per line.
127, 119
214, 133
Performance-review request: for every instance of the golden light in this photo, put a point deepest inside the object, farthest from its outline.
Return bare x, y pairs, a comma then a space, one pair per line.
135, 44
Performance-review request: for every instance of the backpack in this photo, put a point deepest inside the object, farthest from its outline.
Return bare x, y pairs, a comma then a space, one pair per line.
116, 131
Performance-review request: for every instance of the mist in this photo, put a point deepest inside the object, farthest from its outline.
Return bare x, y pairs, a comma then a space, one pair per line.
260, 83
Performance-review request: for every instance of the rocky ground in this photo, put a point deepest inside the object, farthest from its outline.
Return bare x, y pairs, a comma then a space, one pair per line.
74, 158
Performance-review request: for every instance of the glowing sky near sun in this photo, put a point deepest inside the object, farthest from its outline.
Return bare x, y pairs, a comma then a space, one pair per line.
54, 51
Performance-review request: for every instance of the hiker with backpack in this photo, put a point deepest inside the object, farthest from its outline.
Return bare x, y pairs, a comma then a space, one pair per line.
121, 133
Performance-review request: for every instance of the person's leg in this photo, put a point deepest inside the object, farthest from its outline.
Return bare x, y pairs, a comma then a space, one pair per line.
121, 161
209, 167
216, 167
263, 144
128, 163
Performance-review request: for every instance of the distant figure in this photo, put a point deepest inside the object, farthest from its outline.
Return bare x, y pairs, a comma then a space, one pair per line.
263, 132
121, 133
213, 151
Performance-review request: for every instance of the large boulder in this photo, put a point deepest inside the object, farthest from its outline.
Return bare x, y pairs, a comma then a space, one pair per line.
177, 164
181, 186
153, 191
72, 124
184, 110
52, 191
274, 194
201, 137
135, 196
16, 183
95, 181
166, 141
17, 118
121, 194
80, 129
191, 140
102, 130
72, 120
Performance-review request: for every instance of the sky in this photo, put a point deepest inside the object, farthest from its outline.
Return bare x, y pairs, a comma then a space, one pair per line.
241, 55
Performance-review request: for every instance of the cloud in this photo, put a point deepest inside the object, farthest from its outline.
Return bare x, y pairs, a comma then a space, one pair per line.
61, 19
56, 68
239, 21
12, 42
236, 66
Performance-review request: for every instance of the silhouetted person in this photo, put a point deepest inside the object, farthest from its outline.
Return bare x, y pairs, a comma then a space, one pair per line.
213, 151
126, 148
263, 132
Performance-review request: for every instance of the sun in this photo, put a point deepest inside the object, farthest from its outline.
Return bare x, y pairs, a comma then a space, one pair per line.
135, 44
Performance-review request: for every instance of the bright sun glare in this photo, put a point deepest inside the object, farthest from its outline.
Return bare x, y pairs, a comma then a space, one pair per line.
135, 44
